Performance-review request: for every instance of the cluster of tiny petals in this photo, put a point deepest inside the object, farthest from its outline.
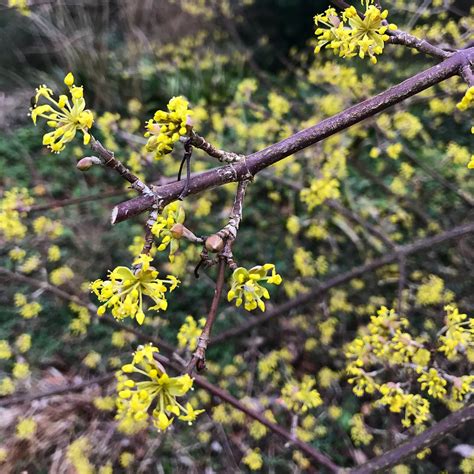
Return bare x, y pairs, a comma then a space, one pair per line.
123, 292
301, 396
65, 116
157, 392
165, 129
246, 287
386, 342
163, 227
352, 34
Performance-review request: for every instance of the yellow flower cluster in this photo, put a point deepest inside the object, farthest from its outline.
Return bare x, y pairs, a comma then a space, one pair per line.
385, 342
123, 291
253, 459
467, 100
78, 326
301, 396
245, 286
11, 227
26, 428
78, 455
351, 34
359, 434
64, 116
27, 310
163, 227
432, 292
135, 398
164, 130
189, 332
60, 276
416, 408
20, 5
319, 190
456, 337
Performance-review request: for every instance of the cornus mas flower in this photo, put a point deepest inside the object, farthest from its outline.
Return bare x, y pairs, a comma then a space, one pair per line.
164, 130
123, 292
157, 391
163, 227
64, 116
352, 34
245, 286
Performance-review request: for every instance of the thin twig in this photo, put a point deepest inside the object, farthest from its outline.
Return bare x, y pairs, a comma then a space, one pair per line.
426, 439
198, 360
342, 278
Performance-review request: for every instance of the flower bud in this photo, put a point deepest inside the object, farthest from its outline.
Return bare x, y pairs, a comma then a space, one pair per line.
177, 231
214, 243
85, 163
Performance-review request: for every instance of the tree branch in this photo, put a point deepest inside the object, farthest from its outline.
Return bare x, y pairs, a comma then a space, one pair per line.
303, 139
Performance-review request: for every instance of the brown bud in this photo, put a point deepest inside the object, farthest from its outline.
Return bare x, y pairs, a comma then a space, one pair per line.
214, 243
85, 163
177, 231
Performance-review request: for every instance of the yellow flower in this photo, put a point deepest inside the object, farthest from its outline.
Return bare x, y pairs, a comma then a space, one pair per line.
5, 350
164, 130
245, 286
350, 34
467, 100
135, 397
299, 397
26, 428
123, 291
61, 275
253, 459
162, 229
63, 116
23, 343
433, 383
92, 359
189, 332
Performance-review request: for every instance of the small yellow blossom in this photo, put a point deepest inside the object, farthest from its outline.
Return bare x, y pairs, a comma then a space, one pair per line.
21, 370
23, 343
163, 227
64, 118
135, 398
126, 459
5, 350
253, 459
164, 130
189, 332
301, 396
61, 275
92, 359
123, 291
26, 428
245, 286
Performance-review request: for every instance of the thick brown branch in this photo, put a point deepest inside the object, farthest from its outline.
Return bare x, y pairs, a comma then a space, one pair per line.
303, 139
342, 278
424, 440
